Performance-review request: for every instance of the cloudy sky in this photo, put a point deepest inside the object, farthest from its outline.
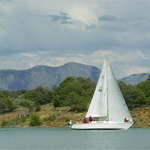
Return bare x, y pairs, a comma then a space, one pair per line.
55, 32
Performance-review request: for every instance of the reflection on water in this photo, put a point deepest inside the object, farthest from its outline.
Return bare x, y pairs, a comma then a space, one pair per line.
64, 138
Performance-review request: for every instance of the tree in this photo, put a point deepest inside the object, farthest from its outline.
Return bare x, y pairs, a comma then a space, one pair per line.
122, 85
134, 96
80, 105
41, 95
5, 93
148, 78
54, 87
57, 101
5, 103
23, 91
145, 87
75, 92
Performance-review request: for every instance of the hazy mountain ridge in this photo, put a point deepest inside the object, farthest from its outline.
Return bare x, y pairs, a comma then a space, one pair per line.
135, 78
47, 76
44, 75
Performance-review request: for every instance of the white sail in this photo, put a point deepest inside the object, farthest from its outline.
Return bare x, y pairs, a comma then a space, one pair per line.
116, 104
107, 100
98, 106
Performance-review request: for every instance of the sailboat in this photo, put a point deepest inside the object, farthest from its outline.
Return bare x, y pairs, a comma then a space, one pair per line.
108, 108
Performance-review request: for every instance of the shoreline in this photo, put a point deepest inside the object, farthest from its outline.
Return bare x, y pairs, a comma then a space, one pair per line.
140, 116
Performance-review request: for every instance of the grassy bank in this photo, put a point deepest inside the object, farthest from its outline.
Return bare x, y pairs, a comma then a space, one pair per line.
58, 117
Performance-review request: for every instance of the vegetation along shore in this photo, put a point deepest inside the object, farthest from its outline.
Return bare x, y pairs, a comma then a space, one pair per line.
44, 108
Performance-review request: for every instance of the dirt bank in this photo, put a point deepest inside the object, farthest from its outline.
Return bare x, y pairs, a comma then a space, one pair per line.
141, 117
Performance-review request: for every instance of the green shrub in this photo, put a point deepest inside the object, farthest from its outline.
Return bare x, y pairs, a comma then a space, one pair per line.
30, 108
5, 102
131, 109
135, 121
35, 119
4, 123
24, 103
11, 108
141, 119
50, 118
23, 119
81, 106
67, 119
37, 108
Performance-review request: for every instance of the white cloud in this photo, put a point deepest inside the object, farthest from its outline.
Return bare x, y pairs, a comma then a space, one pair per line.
122, 64
29, 55
81, 12
129, 70
56, 32
25, 28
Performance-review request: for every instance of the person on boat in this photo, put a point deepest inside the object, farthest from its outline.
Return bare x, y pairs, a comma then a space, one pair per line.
79, 122
90, 119
126, 120
85, 121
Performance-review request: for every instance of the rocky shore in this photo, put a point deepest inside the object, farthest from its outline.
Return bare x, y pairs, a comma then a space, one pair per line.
141, 117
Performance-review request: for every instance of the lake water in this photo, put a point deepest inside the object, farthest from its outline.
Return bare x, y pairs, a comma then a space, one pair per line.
65, 138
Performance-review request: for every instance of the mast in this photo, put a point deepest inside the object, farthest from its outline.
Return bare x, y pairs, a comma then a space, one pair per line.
107, 88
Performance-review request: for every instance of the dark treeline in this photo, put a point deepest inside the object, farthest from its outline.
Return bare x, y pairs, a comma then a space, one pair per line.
75, 92
137, 95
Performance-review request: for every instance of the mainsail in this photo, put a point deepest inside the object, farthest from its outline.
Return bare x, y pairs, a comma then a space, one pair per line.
117, 107
107, 100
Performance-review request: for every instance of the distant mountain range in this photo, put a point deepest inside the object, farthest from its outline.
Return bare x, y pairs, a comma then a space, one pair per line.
47, 76
135, 78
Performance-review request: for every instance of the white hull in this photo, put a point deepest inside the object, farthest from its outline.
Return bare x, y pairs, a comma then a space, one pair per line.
102, 126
